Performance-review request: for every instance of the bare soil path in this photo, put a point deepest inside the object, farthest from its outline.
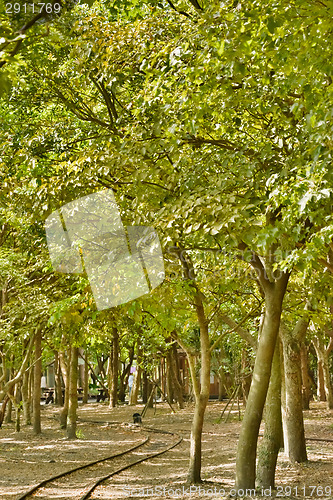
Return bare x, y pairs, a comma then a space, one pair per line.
26, 459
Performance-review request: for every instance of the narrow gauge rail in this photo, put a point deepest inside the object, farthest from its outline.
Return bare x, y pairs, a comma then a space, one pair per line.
88, 477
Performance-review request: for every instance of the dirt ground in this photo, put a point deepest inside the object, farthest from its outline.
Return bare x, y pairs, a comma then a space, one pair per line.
26, 459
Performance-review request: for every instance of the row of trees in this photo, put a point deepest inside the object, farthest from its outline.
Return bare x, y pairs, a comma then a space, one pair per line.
211, 122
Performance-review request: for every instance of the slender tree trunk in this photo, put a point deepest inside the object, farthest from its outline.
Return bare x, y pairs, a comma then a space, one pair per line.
173, 376
85, 380
201, 389
18, 399
137, 378
9, 413
37, 383
114, 369
176, 377
201, 393
72, 401
65, 373
58, 399
145, 394
136, 386
170, 387
323, 362
293, 425
247, 443
306, 392
321, 396
246, 378
150, 399
271, 443
124, 376
25, 399
221, 373
3, 409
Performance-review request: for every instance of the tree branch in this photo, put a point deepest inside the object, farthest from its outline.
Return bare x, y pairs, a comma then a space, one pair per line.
258, 266
237, 327
179, 11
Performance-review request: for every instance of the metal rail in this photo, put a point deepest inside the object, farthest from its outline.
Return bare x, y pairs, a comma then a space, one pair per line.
128, 466
81, 467
100, 480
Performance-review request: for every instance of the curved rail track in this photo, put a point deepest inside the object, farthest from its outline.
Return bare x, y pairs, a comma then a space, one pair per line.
86, 478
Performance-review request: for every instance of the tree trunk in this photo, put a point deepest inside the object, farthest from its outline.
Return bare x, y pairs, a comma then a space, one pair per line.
177, 383
37, 383
173, 376
145, 394
9, 413
170, 387
150, 393
247, 443
323, 362
72, 400
58, 399
18, 399
221, 373
133, 400
246, 377
293, 425
125, 375
271, 443
306, 392
321, 396
25, 399
65, 374
85, 380
114, 369
201, 392
3, 409
201, 389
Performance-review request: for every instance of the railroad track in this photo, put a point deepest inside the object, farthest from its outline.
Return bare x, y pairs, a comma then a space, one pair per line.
86, 478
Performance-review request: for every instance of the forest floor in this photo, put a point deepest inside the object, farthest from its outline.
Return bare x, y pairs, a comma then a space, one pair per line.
26, 459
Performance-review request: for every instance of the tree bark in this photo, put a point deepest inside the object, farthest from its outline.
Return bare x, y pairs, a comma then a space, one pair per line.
170, 387
293, 424
306, 391
65, 374
114, 368
246, 377
247, 443
9, 413
25, 399
3, 409
137, 378
37, 429
85, 380
145, 394
271, 443
72, 400
321, 396
124, 376
17, 399
176, 377
323, 360
201, 393
58, 399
